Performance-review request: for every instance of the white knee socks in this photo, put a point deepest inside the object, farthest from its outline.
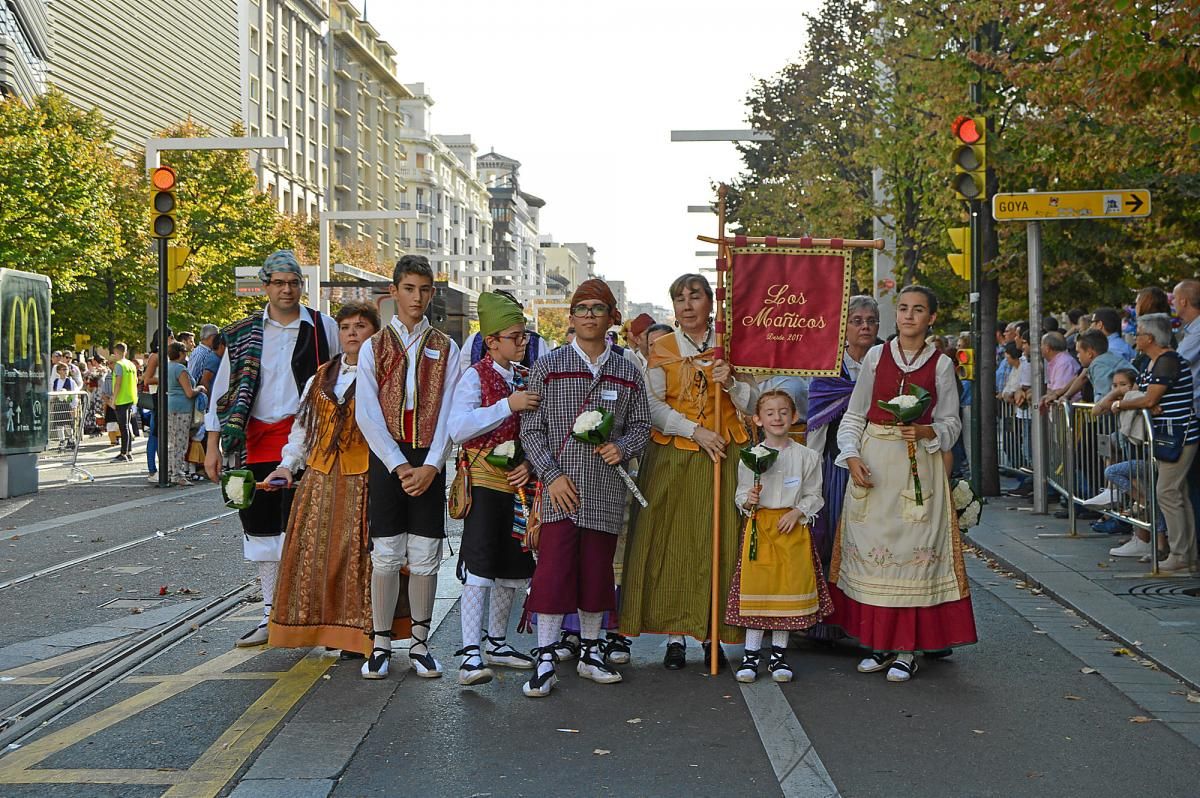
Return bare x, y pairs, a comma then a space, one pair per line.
754, 638
589, 624
268, 572
547, 629
385, 589
500, 611
471, 611
779, 638
421, 592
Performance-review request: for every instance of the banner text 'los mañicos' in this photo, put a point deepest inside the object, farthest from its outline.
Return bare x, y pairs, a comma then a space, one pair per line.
787, 312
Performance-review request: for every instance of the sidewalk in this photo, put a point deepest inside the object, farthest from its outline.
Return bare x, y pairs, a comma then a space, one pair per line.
1156, 617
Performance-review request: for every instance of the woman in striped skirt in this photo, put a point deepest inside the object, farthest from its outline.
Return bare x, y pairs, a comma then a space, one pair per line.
668, 561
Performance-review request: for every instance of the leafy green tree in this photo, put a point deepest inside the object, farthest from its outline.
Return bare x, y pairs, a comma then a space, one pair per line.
57, 214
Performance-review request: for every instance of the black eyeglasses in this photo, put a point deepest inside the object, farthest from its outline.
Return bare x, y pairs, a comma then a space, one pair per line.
516, 338
599, 309
294, 284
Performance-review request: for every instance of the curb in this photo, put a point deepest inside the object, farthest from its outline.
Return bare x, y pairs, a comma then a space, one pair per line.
1033, 581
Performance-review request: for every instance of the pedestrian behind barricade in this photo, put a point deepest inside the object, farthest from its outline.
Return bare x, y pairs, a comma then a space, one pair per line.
1129, 474
1166, 384
777, 582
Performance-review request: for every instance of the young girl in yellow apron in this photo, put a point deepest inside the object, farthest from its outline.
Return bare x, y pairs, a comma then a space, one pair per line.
777, 583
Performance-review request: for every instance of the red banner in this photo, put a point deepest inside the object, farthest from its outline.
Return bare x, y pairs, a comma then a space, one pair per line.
787, 310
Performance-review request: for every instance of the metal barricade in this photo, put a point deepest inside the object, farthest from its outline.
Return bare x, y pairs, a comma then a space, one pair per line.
1013, 439
1088, 455
65, 430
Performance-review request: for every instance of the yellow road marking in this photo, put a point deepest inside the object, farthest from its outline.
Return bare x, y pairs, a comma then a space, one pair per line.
228, 753
41, 666
15, 766
209, 774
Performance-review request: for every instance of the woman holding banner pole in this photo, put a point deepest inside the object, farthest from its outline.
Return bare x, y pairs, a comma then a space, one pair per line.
897, 578
668, 563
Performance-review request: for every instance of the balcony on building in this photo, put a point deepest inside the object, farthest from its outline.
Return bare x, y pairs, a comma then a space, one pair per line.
405, 241
424, 207
425, 243
342, 144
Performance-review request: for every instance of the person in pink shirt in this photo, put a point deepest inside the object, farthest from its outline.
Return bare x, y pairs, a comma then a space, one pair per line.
1061, 368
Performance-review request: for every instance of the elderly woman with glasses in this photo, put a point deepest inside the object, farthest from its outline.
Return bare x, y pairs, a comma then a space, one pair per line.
668, 564
1166, 386
828, 398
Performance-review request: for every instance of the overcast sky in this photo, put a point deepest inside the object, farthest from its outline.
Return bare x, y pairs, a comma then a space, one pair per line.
584, 93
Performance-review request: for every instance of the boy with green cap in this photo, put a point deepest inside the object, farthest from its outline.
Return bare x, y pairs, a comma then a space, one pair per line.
484, 421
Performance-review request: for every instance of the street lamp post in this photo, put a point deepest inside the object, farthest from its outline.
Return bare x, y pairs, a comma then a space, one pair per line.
332, 216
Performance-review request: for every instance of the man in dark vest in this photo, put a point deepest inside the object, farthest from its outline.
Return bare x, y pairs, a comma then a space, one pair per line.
268, 358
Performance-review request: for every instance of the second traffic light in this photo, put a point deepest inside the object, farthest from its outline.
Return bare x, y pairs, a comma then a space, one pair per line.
966, 364
162, 202
970, 157
960, 260
177, 274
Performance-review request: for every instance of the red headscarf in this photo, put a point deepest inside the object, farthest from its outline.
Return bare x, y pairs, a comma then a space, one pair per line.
641, 324
597, 290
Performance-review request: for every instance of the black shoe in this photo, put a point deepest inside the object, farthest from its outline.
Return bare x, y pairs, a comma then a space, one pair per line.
676, 657
941, 653
708, 655
1024, 490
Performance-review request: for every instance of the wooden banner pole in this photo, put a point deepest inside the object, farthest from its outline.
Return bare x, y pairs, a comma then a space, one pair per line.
715, 625
849, 243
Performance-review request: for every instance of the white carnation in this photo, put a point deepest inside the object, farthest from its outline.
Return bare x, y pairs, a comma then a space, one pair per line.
507, 449
760, 451
904, 401
962, 495
234, 488
970, 516
587, 422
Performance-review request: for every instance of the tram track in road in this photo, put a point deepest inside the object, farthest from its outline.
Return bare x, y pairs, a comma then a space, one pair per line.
120, 547
32, 712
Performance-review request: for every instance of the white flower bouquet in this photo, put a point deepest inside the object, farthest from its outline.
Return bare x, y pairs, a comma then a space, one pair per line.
907, 408
968, 505
507, 455
237, 488
593, 427
758, 459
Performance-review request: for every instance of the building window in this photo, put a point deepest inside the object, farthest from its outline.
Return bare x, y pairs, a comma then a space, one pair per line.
254, 88
254, 45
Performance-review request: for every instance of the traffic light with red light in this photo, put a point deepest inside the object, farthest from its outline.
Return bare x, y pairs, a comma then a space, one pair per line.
162, 202
970, 157
966, 364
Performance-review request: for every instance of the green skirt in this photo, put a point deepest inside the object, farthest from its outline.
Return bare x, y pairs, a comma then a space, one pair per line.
667, 585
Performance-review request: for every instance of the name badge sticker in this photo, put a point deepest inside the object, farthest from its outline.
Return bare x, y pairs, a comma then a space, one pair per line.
791, 482
609, 395
433, 354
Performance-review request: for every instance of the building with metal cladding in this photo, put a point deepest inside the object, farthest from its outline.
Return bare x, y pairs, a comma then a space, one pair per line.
24, 47
284, 74
148, 64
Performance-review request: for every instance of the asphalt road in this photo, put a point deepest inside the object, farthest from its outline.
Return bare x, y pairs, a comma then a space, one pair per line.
1011, 716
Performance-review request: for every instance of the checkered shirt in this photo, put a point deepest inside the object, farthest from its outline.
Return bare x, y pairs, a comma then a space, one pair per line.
568, 388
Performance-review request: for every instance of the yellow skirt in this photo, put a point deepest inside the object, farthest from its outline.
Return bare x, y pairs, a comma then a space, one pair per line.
781, 580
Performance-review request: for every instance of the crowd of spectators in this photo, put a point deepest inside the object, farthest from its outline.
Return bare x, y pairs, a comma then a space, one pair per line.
1123, 361
117, 391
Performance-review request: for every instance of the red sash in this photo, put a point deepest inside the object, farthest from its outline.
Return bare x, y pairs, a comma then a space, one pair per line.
264, 442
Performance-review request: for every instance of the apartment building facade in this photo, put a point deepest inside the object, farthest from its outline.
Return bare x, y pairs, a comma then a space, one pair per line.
453, 227
518, 264
284, 76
